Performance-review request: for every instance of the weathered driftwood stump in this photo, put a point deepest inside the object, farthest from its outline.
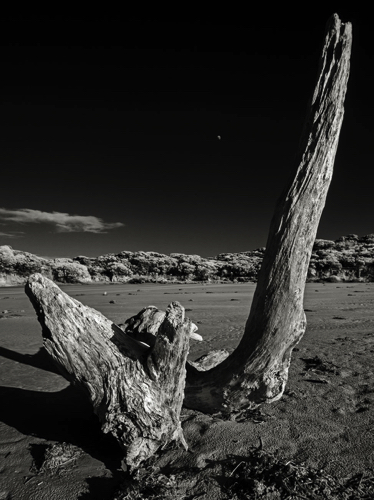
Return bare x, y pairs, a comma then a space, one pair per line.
257, 370
135, 379
136, 390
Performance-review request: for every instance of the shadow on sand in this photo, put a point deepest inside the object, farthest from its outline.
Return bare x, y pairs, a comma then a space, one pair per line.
39, 360
64, 416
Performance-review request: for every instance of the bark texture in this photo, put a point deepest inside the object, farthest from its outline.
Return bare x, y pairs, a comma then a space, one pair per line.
136, 390
145, 325
257, 370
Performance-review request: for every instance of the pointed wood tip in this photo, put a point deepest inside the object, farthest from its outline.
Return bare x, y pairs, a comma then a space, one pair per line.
334, 23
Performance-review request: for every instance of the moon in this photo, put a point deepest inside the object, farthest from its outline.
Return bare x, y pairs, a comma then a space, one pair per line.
219, 137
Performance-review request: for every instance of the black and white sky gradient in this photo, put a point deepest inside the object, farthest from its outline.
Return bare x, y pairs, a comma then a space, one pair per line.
109, 130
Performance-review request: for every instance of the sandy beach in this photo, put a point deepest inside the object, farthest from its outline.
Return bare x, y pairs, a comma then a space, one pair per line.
325, 419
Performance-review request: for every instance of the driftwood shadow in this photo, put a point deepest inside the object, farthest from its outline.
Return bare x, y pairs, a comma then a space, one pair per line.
63, 416
100, 488
40, 360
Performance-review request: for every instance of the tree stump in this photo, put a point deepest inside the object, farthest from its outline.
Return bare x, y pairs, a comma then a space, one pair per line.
136, 390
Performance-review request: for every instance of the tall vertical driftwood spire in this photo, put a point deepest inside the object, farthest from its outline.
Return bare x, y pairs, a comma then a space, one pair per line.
257, 370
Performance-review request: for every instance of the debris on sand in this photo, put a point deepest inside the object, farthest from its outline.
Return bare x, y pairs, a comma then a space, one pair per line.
55, 457
257, 476
319, 366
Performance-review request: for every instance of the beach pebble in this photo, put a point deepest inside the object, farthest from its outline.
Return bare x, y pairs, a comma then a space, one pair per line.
345, 373
112, 302
105, 293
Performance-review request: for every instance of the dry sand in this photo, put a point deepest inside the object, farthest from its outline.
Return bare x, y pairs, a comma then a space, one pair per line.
51, 446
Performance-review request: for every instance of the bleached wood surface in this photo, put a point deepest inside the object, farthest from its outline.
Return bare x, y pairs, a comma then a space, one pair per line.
257, 370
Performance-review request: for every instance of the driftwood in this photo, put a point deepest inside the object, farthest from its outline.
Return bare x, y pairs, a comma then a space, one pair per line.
144, 326
257, 370
136, 390
135, 379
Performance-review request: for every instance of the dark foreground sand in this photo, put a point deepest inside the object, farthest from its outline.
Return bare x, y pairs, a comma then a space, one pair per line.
51, 447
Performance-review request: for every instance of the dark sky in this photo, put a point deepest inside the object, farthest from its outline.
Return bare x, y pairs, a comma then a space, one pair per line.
109, 130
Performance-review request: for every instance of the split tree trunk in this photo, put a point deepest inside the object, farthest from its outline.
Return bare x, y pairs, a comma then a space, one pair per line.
136, 389
257, 370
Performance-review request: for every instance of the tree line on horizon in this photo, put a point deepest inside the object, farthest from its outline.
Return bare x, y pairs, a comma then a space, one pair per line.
349, 258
